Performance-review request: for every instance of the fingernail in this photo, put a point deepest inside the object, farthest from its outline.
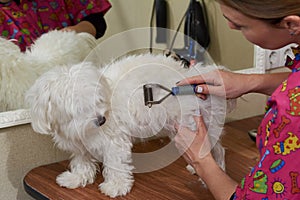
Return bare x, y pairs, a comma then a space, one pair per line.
199, 89
177, 82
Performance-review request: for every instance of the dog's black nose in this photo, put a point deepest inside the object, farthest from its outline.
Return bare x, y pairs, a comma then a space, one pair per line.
100, 120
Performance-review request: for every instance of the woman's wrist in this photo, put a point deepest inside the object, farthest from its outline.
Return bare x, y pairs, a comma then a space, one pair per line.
200, 164
251, 82
218, 182
265, 83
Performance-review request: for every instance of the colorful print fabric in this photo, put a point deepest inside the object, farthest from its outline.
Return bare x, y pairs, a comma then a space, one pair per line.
277, 174
28, 20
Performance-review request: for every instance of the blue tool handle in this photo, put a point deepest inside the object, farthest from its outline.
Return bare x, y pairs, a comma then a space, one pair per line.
184, 90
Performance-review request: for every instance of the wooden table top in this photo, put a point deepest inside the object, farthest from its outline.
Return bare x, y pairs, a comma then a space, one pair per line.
173, 182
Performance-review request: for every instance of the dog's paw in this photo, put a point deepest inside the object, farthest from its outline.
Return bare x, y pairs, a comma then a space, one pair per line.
72, 180
114, 189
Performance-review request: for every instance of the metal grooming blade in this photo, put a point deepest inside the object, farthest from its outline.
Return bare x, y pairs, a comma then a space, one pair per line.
148, 94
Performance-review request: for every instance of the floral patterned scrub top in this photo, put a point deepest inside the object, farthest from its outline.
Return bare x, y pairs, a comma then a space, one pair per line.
277, 174
25, 21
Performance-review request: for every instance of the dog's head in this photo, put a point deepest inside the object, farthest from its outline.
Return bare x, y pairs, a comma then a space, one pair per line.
69, 100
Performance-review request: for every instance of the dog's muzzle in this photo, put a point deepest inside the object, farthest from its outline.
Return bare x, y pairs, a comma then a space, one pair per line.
100, 120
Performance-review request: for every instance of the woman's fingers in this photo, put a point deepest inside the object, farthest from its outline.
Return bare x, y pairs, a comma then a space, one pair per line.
183, 138
205, 146
205, 89
191, 80
209, 83
193, 144
199, 122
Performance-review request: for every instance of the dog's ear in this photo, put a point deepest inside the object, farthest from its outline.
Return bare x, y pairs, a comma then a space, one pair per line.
40, 108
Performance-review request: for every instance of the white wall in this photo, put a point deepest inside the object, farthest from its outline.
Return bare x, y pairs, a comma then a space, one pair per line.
228, 47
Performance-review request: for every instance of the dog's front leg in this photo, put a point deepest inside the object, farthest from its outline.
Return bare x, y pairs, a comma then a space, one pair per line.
117, 168
82, 171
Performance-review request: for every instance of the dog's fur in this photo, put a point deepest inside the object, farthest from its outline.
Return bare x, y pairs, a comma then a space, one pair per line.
19, 70
72, 102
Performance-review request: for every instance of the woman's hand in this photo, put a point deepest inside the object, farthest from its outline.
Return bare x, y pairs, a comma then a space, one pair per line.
83, 26
195, 146
219, 83
232, 85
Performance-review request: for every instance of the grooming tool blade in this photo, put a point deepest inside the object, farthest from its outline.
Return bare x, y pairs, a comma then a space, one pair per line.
148, 94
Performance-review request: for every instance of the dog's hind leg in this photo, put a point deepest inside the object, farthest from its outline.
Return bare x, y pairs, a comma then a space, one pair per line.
117, 168
82, 171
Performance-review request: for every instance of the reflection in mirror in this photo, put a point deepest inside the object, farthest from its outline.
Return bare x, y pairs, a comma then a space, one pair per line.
19, 69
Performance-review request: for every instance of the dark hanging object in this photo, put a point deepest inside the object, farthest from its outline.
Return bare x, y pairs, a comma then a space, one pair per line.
161, 20
196, 25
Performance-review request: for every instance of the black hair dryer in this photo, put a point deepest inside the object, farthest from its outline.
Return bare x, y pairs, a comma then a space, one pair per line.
196, 26
196, 32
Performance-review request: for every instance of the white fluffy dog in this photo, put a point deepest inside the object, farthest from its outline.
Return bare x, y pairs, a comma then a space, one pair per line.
19, 70
95, 113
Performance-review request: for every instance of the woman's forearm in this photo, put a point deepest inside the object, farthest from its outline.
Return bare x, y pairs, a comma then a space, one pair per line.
265, 83
218, 182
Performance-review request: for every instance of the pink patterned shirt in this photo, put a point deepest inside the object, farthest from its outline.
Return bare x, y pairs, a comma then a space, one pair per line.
277, 175
28, 20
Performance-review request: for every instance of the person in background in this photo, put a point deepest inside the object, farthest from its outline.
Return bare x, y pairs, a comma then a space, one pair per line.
23, 21
269, 24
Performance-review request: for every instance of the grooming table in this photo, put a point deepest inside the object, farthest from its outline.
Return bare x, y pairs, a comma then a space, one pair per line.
173, 182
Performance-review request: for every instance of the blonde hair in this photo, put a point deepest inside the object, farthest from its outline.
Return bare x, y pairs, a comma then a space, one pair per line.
273, 10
